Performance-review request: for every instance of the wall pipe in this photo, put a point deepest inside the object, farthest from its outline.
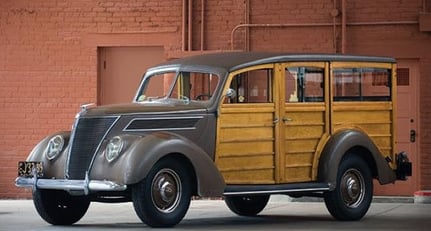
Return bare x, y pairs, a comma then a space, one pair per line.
183, 29
343, 26
202, 24
281, 25
247, 21
334, 14
190, 25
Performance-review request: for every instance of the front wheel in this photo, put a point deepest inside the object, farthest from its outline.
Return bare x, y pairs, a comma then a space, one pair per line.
163, 197
246, 205
58, 207
352, 196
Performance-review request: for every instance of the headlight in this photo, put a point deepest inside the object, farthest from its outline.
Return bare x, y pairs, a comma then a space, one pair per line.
55, 146
113, 149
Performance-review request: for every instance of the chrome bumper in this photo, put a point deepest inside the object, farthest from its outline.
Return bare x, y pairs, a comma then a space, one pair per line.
77, 186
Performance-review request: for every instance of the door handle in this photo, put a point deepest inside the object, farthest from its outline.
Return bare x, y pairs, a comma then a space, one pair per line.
412, 136
286, 119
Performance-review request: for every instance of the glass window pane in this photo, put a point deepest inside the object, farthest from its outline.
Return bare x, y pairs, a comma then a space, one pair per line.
362, 84
304, 84
195, 86
252, 87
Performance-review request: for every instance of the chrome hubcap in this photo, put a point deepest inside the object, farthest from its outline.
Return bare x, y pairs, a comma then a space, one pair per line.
166, 190
352, 188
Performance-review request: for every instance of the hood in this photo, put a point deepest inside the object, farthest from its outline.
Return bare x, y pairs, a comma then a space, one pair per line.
142, 108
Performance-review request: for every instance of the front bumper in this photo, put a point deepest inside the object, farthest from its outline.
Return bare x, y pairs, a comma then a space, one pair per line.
76, 186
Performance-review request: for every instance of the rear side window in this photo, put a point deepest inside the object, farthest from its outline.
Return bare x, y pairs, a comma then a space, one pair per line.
362, 84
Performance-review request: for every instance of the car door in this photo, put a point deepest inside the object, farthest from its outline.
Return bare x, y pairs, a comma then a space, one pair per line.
304, 119
247, 127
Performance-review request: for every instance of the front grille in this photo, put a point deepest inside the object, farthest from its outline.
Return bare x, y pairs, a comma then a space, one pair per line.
87, 136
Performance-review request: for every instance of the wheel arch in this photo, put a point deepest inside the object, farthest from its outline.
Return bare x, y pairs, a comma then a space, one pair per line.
353, 142
146, 151
183, 160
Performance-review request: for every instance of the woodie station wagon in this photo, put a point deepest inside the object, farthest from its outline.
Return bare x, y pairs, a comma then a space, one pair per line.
240, 125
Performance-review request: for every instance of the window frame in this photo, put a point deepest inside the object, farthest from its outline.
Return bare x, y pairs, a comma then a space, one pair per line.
361, 66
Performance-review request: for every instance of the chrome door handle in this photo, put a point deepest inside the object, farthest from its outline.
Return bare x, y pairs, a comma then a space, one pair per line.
275, 120
285, 119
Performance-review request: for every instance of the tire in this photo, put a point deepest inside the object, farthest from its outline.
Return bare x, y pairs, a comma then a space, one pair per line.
352, 196
246, 205
58, 207
163, 197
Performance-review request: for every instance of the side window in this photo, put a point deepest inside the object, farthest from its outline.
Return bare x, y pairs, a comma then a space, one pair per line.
362, 84
252, 87
304, 84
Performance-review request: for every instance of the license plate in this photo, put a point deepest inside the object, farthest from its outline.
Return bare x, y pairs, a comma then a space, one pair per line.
28, 168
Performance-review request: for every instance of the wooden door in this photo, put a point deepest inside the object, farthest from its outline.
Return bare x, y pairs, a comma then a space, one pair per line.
407, 127
247, 128
304, 119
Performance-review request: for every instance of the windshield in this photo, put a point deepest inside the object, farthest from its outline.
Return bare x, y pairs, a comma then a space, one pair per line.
184, 86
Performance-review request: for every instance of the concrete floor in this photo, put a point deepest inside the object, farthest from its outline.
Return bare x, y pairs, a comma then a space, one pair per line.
214, 215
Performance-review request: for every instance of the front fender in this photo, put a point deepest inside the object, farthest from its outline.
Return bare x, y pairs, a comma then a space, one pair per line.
51, 168
142, 152
339, 144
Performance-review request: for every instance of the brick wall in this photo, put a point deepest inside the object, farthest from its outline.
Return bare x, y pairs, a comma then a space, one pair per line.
47, 68
425, 112
48, 52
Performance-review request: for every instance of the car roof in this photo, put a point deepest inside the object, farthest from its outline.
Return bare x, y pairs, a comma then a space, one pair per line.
231, 61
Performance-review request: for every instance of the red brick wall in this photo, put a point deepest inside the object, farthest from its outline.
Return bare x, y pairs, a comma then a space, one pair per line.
425, 112
48, 65
48, 52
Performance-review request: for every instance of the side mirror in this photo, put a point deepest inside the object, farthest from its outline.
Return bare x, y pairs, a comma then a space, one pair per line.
231, 93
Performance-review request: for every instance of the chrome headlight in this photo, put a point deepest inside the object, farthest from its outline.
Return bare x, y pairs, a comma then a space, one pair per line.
114, 148
55, 146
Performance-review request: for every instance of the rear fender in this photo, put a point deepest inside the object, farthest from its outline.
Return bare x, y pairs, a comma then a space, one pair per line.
339, 145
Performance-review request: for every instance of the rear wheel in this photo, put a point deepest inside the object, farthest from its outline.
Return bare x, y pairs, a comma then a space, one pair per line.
58, 207
352, 196
163, 197
246, 205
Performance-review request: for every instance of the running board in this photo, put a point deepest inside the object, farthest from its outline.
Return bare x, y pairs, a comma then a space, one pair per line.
233, 190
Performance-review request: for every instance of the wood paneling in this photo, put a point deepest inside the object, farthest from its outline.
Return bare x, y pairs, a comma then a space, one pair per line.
245, 150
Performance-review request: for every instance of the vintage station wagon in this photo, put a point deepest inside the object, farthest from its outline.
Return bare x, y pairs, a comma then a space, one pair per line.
240, 125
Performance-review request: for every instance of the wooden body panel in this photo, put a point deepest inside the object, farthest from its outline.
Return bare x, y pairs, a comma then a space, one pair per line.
373, 118
245, 151
304, 127
282, 141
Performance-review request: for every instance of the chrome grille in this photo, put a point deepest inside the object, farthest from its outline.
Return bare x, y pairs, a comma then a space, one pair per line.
87, 136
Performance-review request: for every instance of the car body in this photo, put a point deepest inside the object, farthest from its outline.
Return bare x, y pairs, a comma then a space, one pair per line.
242, 125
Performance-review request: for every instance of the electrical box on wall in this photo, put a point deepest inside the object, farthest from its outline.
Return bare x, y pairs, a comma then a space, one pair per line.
425, 22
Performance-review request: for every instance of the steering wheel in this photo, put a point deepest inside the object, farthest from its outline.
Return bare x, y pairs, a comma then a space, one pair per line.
202, 96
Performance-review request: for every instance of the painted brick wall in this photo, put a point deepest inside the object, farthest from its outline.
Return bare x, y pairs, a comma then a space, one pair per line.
425, 112
47, 68
48, 53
